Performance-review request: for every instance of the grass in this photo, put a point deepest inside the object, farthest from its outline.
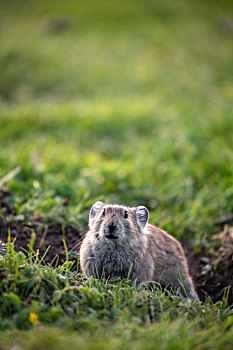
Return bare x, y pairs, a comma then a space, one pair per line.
55, 308
127, 102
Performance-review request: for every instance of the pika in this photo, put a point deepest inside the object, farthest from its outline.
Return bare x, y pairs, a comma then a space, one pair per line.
121, 243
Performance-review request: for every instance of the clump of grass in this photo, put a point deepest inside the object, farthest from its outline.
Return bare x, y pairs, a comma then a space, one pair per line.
62, 287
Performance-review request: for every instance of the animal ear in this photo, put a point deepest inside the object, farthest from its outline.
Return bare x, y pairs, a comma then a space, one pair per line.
142, 215
94, 210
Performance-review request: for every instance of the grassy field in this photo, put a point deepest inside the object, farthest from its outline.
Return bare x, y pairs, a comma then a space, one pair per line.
127, 102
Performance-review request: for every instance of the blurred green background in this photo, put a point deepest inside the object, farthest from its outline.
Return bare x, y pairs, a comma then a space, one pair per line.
125, 101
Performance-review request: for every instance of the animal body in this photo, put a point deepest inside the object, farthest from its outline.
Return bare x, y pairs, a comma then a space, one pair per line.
121, 243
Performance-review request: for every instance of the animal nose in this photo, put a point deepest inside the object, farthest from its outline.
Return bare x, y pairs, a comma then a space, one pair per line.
111, 231
111, 227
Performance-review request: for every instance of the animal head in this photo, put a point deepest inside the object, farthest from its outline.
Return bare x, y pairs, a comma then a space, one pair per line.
117, 222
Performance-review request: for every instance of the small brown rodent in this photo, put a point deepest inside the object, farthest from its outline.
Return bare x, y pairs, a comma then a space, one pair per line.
121, 243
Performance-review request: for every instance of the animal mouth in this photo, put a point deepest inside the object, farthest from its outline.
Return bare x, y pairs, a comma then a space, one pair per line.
111, 236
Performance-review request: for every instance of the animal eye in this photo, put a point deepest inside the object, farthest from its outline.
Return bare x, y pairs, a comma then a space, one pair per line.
103, 212
125, 214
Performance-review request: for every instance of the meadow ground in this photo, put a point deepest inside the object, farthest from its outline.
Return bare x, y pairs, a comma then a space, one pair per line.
127, 102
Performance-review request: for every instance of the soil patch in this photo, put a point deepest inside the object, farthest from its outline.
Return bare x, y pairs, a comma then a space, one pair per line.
209, 281
212, 273
46, 233
212, 270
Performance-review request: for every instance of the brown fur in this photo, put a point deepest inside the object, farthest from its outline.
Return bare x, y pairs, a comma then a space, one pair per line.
136, 250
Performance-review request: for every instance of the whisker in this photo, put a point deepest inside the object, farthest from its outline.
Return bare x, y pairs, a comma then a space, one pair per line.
80, 240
